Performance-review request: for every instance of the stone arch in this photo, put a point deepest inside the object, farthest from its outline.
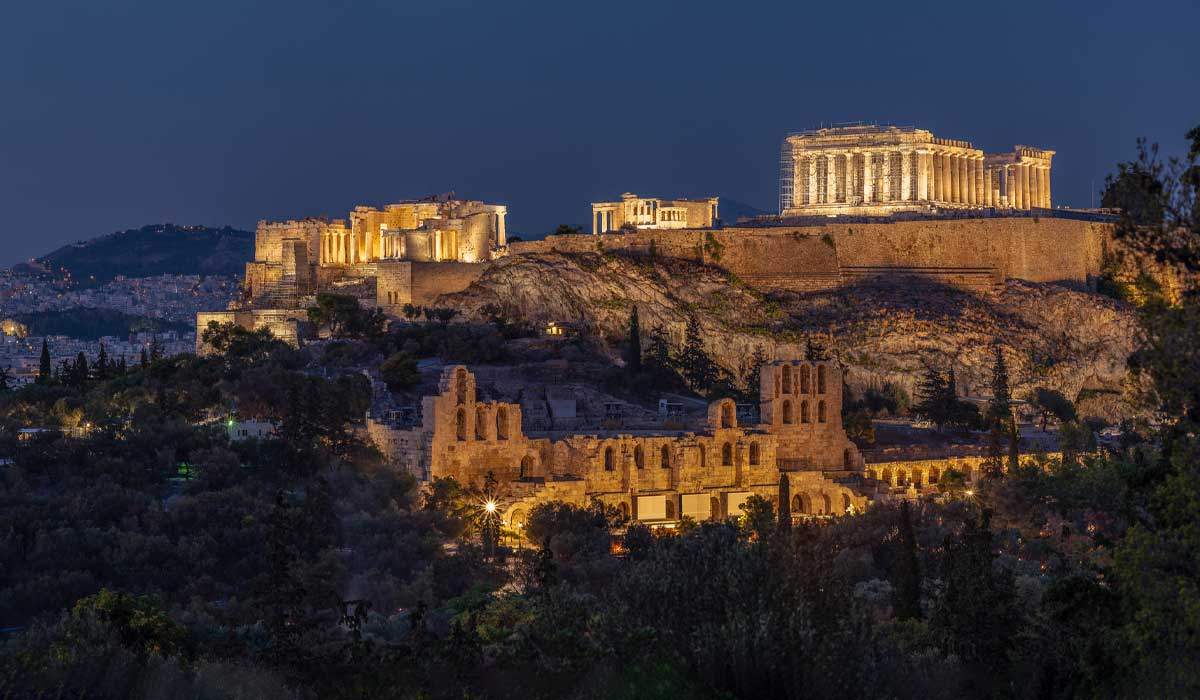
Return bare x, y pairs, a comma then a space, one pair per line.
460, 424
516, 519
639, 457
827, 502
846, 503
665, 457
460, 386
502, 423
917, 477
703, 457
934, 475
527, 466
797, 504
804, 383
787, 379
728, 414
727, 455
889, 477
480, 423
754, 454
820, 379
787, 411
847, 459
901, 477
820, 411
624, 508
804, 417
609, 461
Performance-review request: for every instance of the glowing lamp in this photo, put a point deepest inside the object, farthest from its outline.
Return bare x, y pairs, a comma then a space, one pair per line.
490, 506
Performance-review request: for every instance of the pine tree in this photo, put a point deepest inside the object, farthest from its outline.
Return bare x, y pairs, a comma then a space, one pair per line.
635, 343
695, 365
45, 369
753, 376
906, 575
931, 397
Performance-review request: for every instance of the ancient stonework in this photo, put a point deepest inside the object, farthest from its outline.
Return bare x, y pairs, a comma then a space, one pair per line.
872, 170
634, 212
657, 476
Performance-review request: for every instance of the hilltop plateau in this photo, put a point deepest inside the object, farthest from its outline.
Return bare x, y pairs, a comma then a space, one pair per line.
1055, 337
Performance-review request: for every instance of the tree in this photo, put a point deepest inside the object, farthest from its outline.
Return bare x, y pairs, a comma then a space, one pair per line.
155, 349
143, 360
635, 343
102, 368
80, 370
45, 369
343, 317
567, 230
932, 398
696, 367
5, 377
758, 517
785, 502
1052, 403
399, 371
1001, 425
906, 573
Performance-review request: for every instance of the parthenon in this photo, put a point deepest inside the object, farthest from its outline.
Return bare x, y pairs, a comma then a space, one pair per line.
878, 170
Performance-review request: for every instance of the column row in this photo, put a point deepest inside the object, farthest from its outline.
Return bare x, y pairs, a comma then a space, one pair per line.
339, 247
863, 177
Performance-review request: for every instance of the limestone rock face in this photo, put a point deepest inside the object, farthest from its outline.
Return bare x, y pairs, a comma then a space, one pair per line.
882, 331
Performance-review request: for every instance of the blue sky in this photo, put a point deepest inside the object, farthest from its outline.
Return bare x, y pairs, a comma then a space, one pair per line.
119, 114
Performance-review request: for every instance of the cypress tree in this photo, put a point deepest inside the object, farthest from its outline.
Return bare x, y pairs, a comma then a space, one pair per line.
635, 342
1002, 428
931, 397
45, 369
100, 371
121, 368
81, 369
906, 574
785, 502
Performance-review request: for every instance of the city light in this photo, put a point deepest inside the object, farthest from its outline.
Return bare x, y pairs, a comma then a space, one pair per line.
490, 506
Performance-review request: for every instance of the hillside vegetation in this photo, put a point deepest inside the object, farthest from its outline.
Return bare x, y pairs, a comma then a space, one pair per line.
159, 249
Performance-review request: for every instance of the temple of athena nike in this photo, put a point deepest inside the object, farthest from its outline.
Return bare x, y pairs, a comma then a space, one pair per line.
877, 170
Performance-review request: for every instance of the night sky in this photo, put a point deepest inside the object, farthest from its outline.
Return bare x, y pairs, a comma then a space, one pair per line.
119, 114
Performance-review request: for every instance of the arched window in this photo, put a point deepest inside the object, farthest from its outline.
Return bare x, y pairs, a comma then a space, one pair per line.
820, 411
797, 504
804, 385
847, 460
639, 457
460, 424
665, 457
820, 379
728, 419
670, 508
703, 457
916, 478
825, 501
608, 459
754, 454
787, 411
502, 423
804, 412
901, 477
887, 476
727, 455
480, 423
460, 386
624, 508
526, 467
517, 519
787, 379
934, 474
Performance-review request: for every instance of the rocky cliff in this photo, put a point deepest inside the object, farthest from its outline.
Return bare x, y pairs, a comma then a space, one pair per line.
1054, 337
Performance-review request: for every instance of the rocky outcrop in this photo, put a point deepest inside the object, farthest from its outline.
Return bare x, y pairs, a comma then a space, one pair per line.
883, 331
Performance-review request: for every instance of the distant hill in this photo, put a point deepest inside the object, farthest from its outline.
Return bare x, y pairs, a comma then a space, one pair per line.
731, 210
160, 249
91, 324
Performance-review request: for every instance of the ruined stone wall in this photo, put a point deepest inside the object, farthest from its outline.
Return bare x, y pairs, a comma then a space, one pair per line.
269, 238
972, 252
431, 280
289, 325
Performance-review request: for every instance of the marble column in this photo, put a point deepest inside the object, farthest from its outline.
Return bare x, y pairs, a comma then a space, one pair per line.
868, 178
812, 179
831, 178
1026, 190
906, 183
964, 180
922, 193
1046, 190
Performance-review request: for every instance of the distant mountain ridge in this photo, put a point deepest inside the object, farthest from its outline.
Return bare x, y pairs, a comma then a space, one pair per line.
158, 249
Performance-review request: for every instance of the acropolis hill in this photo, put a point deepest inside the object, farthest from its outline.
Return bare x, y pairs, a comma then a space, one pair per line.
858, 205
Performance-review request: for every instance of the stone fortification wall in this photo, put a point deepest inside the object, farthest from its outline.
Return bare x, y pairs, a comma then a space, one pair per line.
403, 282
289, 325
971, 252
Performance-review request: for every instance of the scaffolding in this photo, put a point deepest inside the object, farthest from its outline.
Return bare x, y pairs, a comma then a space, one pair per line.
787, 175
